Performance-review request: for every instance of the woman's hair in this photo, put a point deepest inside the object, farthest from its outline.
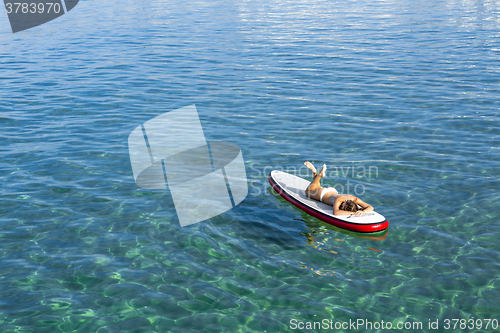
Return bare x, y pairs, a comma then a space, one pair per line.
350, 206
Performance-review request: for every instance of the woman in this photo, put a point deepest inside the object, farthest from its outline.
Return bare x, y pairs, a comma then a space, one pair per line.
343, 204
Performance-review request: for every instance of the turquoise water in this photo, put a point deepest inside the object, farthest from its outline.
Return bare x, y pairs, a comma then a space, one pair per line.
407, 92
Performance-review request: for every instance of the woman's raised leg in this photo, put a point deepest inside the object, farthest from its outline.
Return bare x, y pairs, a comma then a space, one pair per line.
313, 191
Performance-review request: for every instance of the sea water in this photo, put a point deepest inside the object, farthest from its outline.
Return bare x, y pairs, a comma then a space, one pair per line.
399, 99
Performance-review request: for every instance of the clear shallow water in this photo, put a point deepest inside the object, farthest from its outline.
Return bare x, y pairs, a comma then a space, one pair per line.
410, 90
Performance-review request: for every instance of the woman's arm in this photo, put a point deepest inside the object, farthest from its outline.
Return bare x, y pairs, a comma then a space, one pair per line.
342, 212
366, 207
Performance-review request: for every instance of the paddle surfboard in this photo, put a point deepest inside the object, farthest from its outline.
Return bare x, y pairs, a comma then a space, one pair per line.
292, 189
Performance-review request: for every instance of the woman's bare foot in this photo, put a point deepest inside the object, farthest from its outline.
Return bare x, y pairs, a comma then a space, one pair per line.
322, 173
311, 167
